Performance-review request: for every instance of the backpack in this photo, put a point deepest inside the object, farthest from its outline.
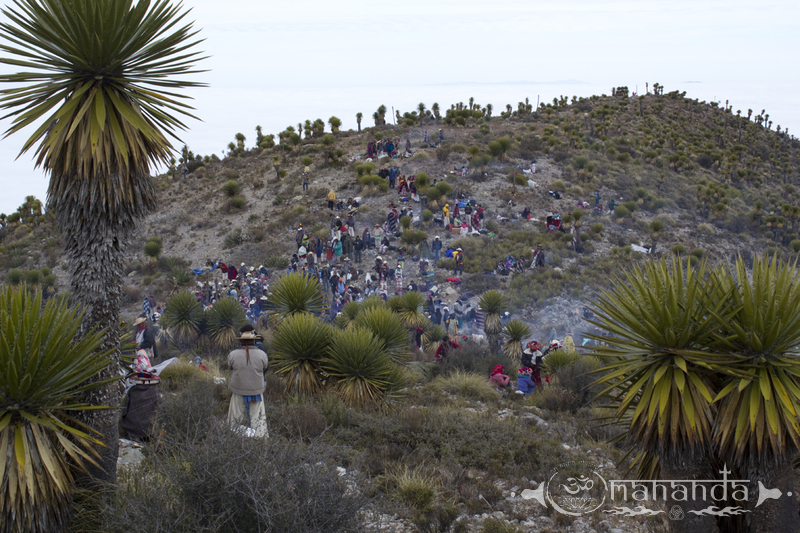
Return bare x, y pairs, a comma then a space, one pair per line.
448, 252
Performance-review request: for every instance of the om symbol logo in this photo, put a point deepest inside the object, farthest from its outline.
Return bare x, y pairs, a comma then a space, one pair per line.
676, 513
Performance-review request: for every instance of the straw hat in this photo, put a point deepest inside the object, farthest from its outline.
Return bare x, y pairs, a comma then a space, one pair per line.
249, 336
139, 320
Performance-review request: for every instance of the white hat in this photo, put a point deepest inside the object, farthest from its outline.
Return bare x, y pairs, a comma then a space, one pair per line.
252, 302
436, 237
459, 250
139, 320
252, 268
242, 264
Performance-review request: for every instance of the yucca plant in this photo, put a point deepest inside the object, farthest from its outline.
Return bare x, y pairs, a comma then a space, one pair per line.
360, 367
759, 401
43, 378
513, 333
299, 348
346, 318
555, 361
409, 307
295, 293
183, 315
101, 83
224, 320
387, 327
371, 302
432, 336
493, 303
657, 375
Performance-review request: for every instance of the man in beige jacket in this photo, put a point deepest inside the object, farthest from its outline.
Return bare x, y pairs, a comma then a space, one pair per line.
248, 366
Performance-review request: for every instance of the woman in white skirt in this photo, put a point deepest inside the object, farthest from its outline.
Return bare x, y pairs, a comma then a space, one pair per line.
248, 366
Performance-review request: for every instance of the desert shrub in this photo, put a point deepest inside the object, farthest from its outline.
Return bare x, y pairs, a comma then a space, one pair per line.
555, 398
458, 148
705, 229
231, 188
795, 245
277, 261
411, 236
444, 187
621, 212
270, 485
413, 488
278, 200
427, 215
237, 202
443, 152
558, 185
405, 222
421, 156
466, 384
234, 238
152, 248
679, 249
699, 253
597, 228
493, 525
298, 421
471, 358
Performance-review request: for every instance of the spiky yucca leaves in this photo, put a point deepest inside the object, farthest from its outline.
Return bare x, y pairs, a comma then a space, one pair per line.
513, 333
372, 301
224, 320
346, 318
183, 315
299, 348
493, 304
432, 336
760, 399
106, 65
656, 376
295, 293
43, 374
360, 367
387, 327
555, 361
410, 307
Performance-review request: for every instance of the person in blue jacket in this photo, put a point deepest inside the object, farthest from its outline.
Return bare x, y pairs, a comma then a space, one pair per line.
525, 384
436, 248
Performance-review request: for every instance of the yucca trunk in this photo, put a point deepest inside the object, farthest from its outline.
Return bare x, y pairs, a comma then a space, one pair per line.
94, 237
774, 516
688, 465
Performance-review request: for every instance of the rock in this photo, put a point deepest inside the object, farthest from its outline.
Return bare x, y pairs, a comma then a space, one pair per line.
130, 453
132, 274
615, 530
566, 446
604, 525
500, 515
341, 471
544, 521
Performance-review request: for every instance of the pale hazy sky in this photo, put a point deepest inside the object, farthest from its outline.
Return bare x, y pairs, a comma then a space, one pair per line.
276, 64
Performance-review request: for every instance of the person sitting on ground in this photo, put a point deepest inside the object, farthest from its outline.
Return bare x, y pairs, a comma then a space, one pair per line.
497, 378
525, 384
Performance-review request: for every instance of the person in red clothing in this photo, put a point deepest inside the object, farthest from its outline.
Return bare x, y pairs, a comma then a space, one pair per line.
444, 348
497, 378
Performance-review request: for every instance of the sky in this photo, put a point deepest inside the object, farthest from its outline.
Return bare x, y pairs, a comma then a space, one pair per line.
275, 64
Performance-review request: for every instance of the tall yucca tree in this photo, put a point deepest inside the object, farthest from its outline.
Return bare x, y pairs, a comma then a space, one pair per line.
101, 84
299, 349
224, 320
658, 379
758, 426
493, 304
43, 375
387, 327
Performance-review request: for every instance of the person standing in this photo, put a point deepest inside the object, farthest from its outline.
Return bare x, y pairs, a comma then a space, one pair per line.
459, 266
596, 198
248, 366
358, 247
436, 248
144, 335
424, 249
331, 199
305, 180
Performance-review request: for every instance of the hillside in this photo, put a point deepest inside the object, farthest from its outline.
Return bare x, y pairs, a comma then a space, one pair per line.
686, 177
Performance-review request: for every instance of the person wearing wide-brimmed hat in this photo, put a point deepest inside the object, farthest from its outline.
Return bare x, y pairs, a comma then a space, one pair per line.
248, 366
